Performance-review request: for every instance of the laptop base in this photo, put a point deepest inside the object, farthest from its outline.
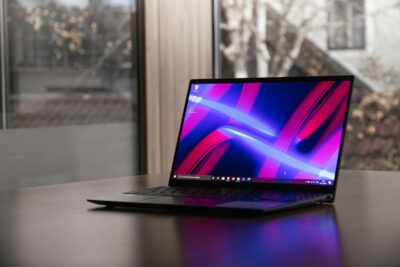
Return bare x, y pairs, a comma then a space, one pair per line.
202, 204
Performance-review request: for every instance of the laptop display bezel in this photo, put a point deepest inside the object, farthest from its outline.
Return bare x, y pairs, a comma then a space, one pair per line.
272, 186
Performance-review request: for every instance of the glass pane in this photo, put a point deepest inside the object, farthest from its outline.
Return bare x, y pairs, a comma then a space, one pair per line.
71, 62
72, 91
290, 38
338, 21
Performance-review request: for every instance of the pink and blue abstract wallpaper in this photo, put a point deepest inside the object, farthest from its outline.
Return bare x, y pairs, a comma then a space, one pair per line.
271, 130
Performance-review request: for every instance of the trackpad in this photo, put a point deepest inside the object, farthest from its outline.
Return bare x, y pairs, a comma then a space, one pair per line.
251, 204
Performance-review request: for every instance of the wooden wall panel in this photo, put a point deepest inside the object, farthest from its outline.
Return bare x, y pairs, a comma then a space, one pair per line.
178, 48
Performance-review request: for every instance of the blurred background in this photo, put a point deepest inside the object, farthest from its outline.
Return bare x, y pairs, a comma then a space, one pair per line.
93, 89
71, 62
257, 38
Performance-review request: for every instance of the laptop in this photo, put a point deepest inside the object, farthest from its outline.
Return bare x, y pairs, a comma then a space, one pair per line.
253, 145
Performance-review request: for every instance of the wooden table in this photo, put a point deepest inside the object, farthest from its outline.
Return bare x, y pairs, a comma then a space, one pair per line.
55, 226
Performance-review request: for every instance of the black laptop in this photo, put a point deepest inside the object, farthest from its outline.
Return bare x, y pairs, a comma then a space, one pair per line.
253, 145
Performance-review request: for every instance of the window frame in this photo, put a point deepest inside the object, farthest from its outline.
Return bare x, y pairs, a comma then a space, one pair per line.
3, 64
141, 141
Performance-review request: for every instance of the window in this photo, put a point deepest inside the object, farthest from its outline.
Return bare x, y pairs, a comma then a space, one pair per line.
71, 62
346, 20
70, 90
288, 38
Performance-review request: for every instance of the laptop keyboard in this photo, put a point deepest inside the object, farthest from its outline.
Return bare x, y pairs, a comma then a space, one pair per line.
225, 193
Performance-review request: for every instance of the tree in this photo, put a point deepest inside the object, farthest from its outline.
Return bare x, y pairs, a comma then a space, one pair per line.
239, 24
247, 26
246, 22
94, 38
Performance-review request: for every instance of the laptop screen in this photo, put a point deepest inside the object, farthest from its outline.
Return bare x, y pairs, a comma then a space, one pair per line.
274, 131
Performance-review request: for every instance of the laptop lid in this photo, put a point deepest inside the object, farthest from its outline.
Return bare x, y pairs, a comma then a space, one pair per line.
274, 132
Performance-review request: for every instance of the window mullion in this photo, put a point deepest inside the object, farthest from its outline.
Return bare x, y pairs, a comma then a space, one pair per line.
3, 63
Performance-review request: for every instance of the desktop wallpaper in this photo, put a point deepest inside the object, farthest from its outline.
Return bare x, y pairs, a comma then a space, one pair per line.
285, 130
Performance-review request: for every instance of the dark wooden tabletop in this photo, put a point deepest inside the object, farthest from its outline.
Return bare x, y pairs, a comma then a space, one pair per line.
55, 226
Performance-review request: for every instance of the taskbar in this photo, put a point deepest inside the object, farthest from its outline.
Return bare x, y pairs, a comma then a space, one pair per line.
236, 179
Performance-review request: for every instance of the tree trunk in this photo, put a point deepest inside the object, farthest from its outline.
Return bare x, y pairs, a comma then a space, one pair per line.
240, 68
238, 24
293, 54
263, 56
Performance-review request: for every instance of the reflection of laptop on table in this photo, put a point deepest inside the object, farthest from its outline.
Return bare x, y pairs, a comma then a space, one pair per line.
254, 145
